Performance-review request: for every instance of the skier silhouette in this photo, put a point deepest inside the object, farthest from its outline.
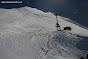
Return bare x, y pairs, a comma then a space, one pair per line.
57, 25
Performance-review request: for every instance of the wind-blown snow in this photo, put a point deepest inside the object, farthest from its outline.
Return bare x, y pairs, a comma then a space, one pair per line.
28, 33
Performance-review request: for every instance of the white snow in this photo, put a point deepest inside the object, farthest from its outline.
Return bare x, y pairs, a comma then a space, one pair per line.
28, 33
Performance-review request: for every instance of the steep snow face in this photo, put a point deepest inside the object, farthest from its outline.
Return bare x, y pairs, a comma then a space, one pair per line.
28, 33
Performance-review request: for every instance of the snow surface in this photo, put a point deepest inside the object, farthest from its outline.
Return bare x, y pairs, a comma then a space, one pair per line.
28, 33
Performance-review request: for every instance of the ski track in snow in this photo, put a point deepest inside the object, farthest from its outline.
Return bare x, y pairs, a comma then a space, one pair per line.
28, 33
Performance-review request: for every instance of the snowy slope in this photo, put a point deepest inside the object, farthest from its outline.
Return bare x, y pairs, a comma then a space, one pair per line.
34, 45
28, 33
27, 19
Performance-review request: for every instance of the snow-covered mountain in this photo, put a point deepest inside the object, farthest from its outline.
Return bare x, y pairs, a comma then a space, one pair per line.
28, 33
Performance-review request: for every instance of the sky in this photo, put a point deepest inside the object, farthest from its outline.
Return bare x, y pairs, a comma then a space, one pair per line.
76, 10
